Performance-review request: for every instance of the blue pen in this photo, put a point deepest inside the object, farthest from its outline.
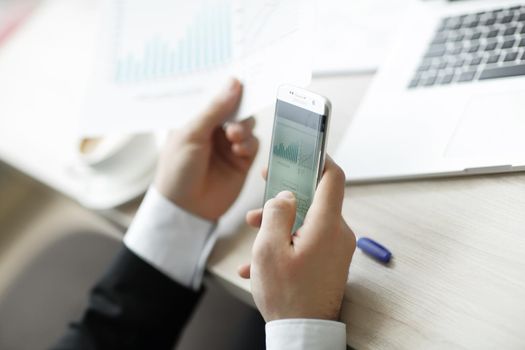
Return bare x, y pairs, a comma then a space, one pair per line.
374, 249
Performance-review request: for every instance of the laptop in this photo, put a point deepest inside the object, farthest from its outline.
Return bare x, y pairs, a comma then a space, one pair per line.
450, 98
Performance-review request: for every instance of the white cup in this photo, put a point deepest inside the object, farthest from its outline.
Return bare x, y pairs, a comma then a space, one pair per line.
99, 151
116, 153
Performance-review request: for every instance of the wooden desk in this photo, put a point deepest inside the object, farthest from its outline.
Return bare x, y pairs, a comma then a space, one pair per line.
457, 280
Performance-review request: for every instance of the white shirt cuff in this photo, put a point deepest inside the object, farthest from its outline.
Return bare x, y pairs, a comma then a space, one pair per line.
170, 239
305, 334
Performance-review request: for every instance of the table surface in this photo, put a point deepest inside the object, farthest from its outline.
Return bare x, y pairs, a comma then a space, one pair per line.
457, 280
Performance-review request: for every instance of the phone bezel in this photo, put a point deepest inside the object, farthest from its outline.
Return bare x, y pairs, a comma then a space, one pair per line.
305, 99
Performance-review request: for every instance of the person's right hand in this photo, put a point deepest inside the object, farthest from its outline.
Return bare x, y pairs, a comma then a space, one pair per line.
302, 275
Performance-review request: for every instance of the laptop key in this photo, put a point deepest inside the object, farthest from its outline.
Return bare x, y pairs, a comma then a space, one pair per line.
505, 19
472, 24
521, 17
510, 31
475, 61
439, 39
467, 76
436, 51
458, 63
458, 37
443, 25
453, 25
456, 50
490, 21
511, 56
430, 81
442, 64
492, 33
522, 43
447, 79
414, 83
507, 44
503, 72
473, 48
494, 58
439, 64
491, 46
475, 36
424, 66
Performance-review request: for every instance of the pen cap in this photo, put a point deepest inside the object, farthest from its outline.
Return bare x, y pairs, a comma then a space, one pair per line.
374, 249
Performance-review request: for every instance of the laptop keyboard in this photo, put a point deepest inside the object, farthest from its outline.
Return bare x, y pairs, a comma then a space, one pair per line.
473, 47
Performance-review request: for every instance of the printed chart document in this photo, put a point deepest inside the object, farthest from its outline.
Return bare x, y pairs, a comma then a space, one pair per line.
161, 62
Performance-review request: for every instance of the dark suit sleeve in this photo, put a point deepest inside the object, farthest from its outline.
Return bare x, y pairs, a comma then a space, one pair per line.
133, 306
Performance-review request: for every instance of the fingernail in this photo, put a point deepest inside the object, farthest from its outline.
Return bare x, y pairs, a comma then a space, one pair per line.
230, 90
232, 86
233, 83
285, 194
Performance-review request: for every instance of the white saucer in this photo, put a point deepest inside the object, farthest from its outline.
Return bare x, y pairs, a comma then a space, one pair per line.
121, 180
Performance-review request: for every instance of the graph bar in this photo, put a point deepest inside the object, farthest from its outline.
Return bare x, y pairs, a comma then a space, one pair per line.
205, 45
290, 152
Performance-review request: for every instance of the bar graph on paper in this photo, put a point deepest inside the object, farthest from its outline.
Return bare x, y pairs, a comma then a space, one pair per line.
152, 49
157, 56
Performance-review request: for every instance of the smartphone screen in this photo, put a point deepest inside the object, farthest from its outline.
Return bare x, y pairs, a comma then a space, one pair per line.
296, 155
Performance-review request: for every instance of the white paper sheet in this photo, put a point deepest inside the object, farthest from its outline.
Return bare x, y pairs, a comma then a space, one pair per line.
161, 61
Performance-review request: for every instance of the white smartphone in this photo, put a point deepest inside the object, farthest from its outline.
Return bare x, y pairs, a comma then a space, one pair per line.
297, 151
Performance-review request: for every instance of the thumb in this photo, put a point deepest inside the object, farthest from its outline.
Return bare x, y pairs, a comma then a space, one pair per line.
278, 219
219, 111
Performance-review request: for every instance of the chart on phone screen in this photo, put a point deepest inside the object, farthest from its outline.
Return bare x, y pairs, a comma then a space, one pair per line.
293, 166
159, 58
300, 154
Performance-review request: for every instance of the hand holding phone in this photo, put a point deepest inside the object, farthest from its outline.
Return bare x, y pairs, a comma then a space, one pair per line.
298, 146
301, 275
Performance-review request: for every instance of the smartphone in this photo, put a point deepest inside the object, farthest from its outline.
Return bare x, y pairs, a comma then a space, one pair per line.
297, 150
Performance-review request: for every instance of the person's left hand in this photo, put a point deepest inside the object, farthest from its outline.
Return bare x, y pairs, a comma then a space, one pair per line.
202, 169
